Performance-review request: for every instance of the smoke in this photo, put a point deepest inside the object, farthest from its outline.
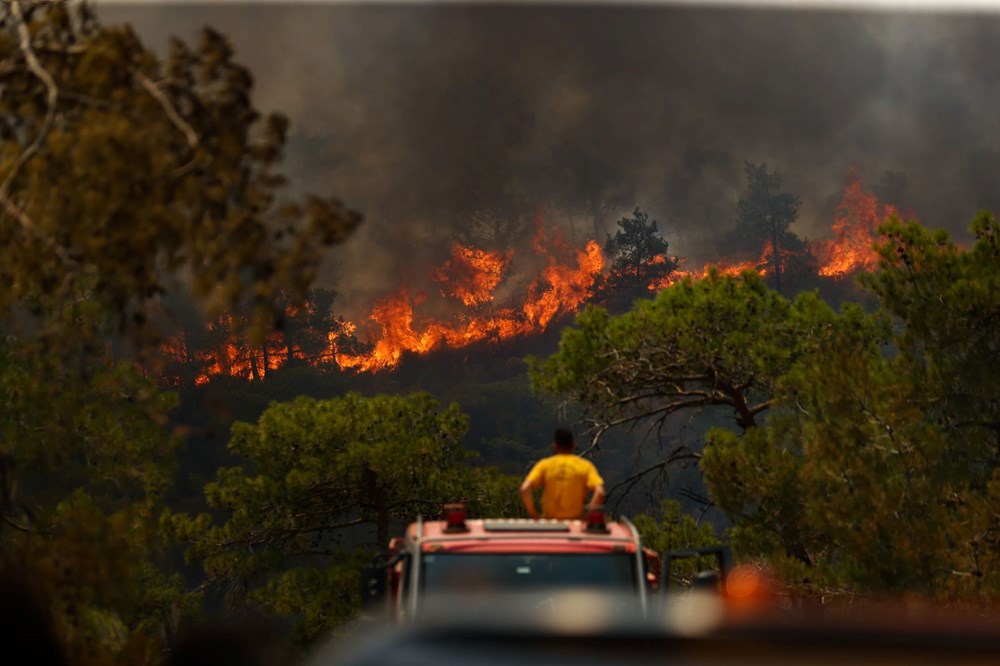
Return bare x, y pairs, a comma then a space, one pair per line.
447, 122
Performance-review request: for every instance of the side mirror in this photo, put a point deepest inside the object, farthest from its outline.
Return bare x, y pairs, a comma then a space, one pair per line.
651, 569
704, 580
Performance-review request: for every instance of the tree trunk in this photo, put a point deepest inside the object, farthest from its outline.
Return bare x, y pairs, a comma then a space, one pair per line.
775, 254
289, 347
254, 370
376, 502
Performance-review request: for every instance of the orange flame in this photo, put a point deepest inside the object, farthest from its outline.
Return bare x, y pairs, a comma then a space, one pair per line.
564, 285
722, 268
855, 228
471, 274
229, 356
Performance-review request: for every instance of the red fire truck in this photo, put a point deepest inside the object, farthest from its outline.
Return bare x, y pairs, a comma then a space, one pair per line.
489, 558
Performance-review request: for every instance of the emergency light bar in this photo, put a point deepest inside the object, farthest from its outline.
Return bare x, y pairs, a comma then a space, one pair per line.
525, 525
454, 516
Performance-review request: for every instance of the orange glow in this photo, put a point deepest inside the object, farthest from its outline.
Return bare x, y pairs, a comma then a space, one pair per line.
746, 582
855, 228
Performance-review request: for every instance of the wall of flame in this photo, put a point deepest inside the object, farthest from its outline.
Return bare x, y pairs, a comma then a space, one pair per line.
471, 277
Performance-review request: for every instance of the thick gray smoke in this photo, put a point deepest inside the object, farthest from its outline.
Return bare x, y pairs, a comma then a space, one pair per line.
445, 120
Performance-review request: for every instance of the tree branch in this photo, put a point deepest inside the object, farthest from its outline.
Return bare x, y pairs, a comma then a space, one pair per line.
18, 527
51, 97
696, 497
168, 108
680, 453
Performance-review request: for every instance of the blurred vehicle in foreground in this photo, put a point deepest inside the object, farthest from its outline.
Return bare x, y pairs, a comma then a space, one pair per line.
586, 628
525, 592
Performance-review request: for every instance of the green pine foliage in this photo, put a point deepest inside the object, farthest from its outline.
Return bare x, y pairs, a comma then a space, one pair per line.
866, 447
122, 177
720, 342
324, 481
860, 454
85, 462
638, 258
765, 215
120, 173
675, 530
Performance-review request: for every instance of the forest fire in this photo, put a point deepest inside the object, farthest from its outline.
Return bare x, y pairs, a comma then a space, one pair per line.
471, 279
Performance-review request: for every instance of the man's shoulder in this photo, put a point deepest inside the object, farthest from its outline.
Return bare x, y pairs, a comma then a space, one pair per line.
574, 460
563, 459
543, 463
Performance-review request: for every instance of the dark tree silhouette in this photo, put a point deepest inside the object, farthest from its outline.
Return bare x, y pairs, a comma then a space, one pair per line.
765, 213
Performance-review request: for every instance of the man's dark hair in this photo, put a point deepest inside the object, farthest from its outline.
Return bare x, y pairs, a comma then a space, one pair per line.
563, 439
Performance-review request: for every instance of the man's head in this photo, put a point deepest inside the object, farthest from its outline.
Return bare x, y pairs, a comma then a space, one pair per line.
562, 441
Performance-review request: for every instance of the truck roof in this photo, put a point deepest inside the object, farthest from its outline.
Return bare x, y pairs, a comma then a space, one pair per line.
512, 535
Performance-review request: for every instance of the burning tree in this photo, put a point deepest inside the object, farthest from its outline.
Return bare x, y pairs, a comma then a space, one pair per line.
638, 258
566, 281
471, 275
765, 214
303, 334
855, 231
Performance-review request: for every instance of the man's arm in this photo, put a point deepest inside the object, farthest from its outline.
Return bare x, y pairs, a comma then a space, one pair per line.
597, 499
528, 498
596, 485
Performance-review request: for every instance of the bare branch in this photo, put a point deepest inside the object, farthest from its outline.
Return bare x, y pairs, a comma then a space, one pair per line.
678, 454
51, 98
62, 49
168, 108
696, 497
18, 527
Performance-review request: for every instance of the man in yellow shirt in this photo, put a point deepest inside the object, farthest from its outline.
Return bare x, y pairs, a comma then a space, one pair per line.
565, 479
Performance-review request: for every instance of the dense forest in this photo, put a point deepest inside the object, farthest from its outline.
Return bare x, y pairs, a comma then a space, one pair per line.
192, 426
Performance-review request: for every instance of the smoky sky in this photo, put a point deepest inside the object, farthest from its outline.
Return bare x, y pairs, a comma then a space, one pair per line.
438, 121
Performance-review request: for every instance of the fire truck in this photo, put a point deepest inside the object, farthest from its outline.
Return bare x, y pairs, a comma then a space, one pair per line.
492, 558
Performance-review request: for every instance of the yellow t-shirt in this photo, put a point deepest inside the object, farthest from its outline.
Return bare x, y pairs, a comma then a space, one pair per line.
565, 479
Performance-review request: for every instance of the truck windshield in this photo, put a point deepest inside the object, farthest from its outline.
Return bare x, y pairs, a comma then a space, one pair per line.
473, 573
